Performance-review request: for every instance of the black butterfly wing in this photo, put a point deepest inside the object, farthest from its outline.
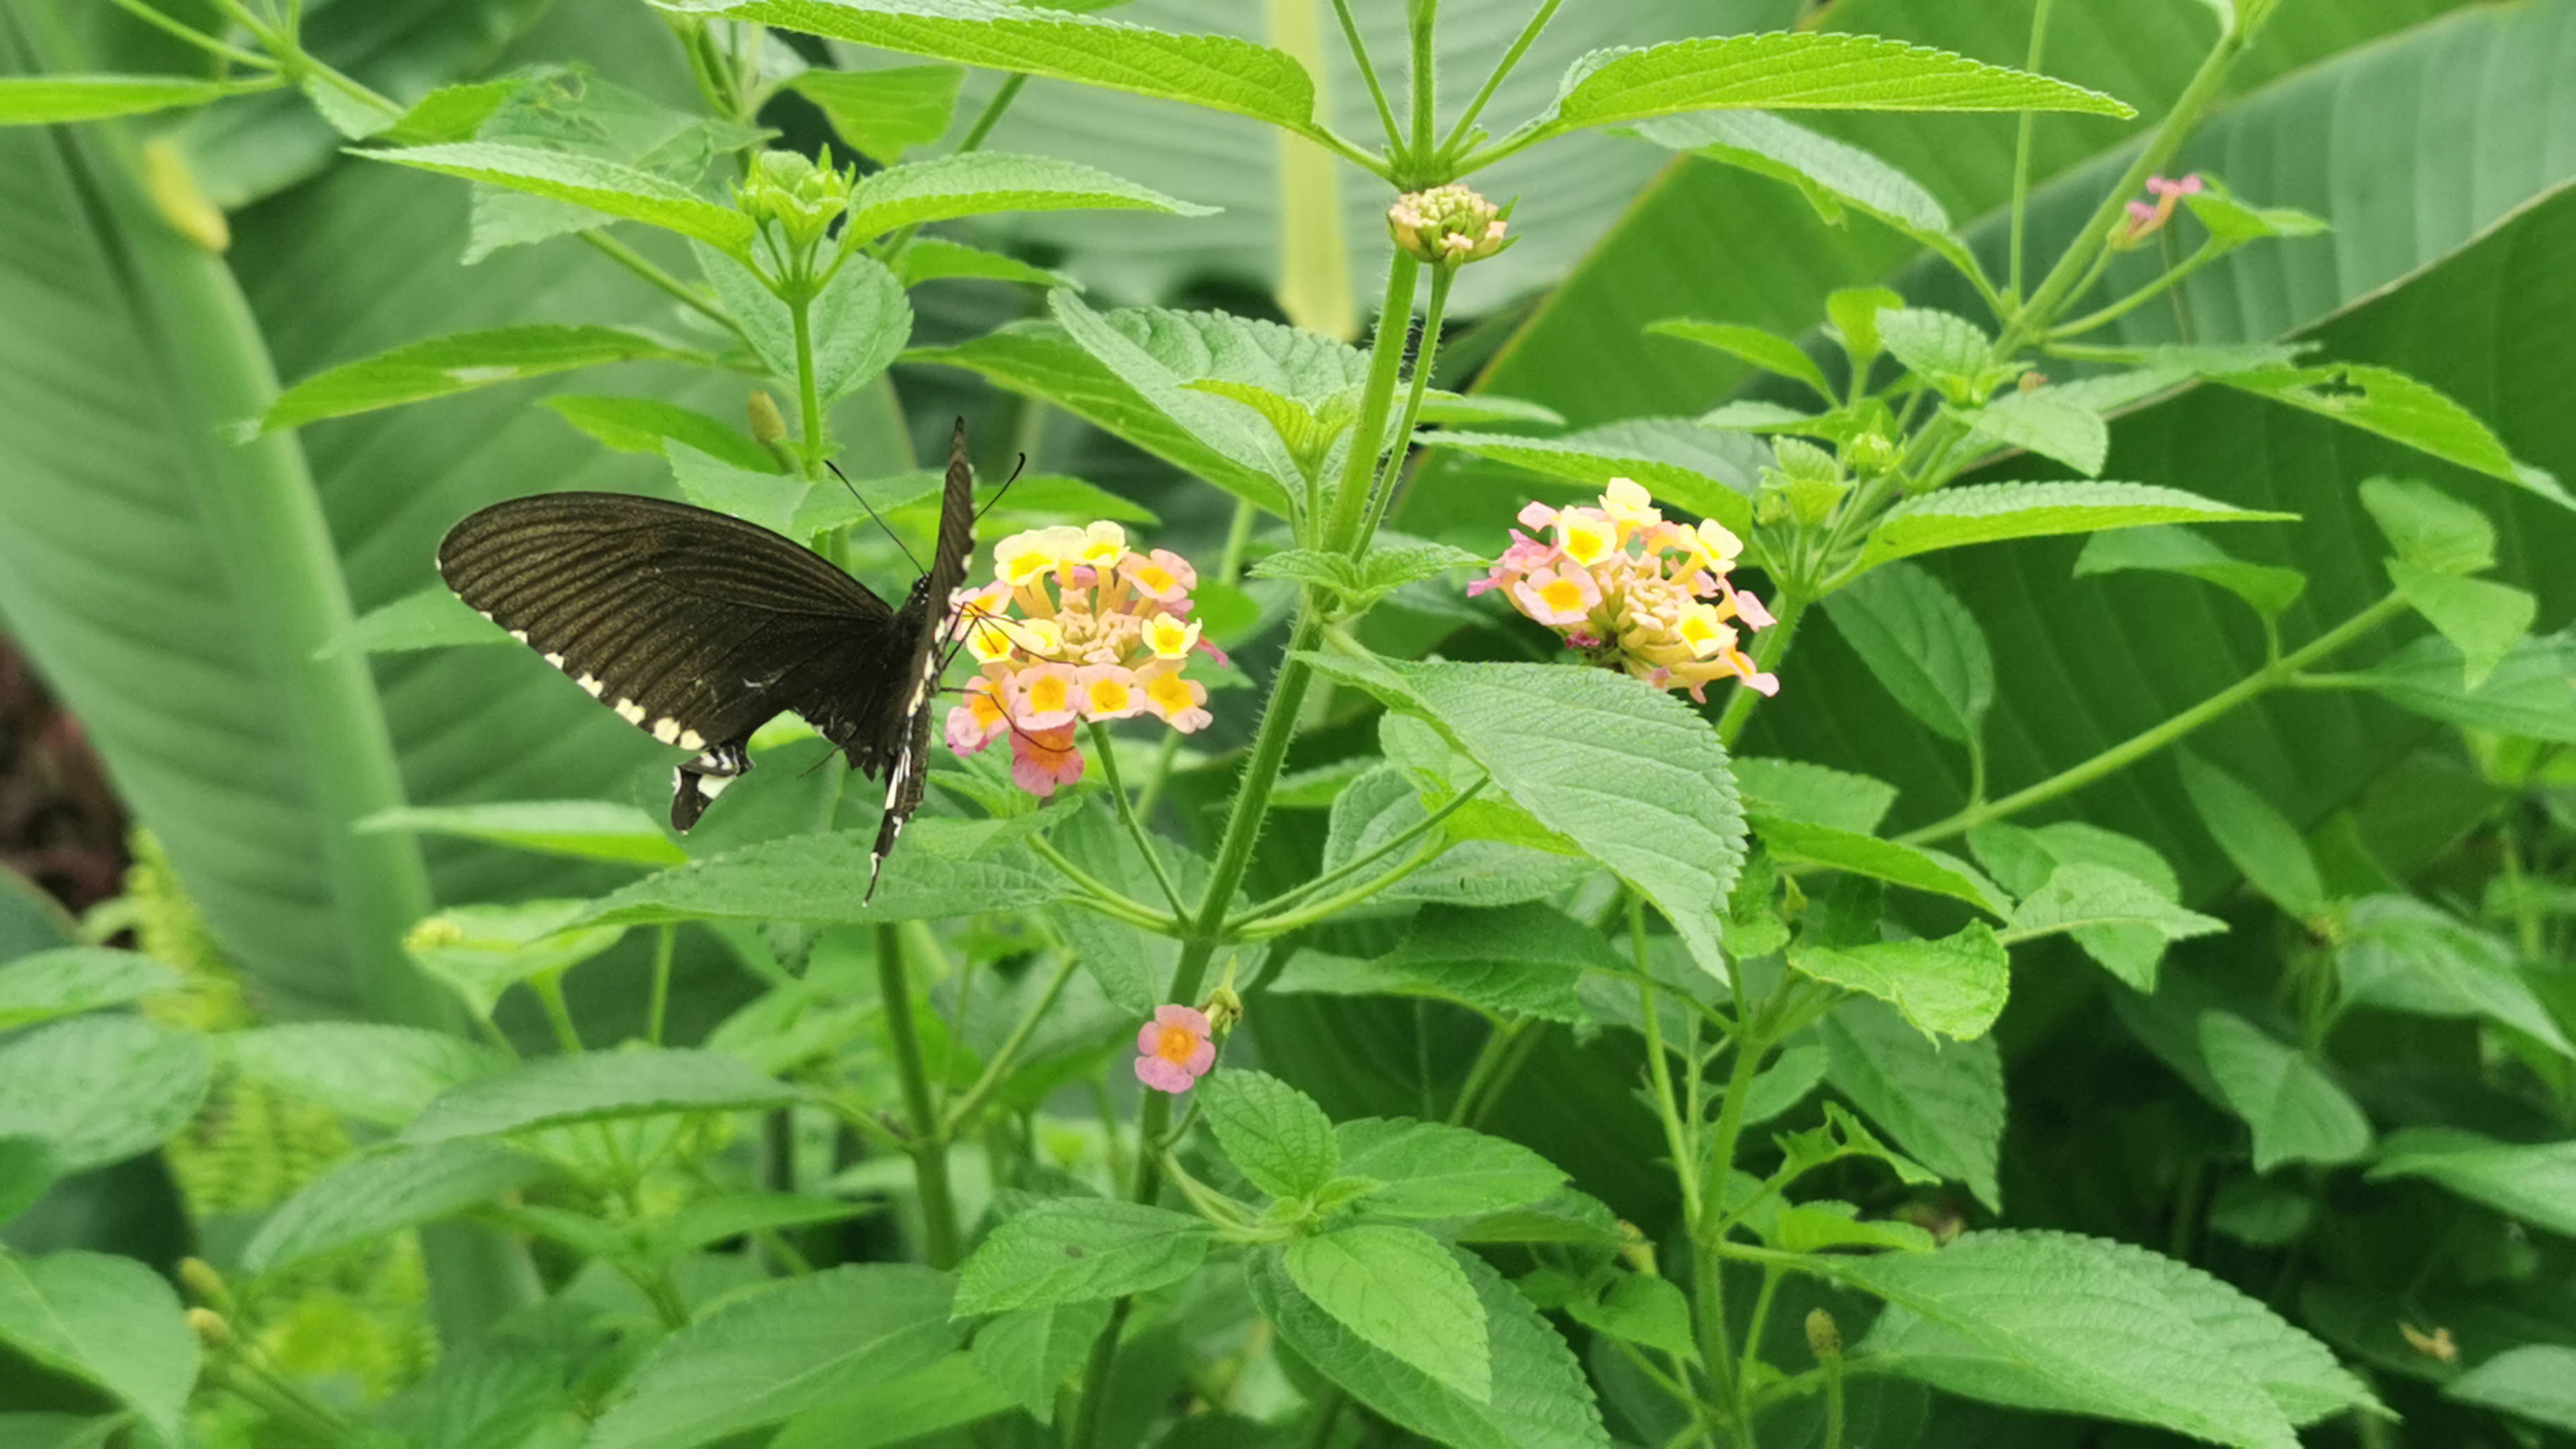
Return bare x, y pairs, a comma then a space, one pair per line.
906, 739
693, 627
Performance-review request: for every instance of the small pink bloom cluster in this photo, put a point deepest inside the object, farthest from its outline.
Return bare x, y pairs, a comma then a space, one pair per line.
1633, 591
1175, 1049
1075, 626
2146, 220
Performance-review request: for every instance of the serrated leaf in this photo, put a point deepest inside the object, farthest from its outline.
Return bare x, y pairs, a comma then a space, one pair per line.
2428, 527
1642, 1310
2053, 427
1943, 1104
1934, 344
715, 1218
372, 1072
480, 952
1072, 1250
1953, 986
2055, 1322
1274, 1134
883, 113
2297, 1112
2483, 619
434, 618
2085, 900
2534, 1381
2397, 407
859, 324
809, 878
979, 183
1401, 1292
1626, 771
643, 425
1831, 173
369, 1196
2166, 548
74, 979
2399, 954
1029, 1353
1815, 794
1813, 1227
772, 1353
1762, 349
1503, 987
2233, 223
2532, 691
626, 192
596, 1087
110, 1321
2263, 844
931, 259
1540, 1398
1906, 865
1785, 70
443, 366
99, 1089
1923, 644
1705, 471
48, 100
2535, 1182
759, 496
1218, 72
1436, 1171
579, 829
1991, 512
951, 1393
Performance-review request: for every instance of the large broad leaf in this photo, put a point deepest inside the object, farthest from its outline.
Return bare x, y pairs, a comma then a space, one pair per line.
367, 1197
111, 1321
1078, 1250
594, 1087
2535, 1182
99, 1089
823, 878
1941, 1103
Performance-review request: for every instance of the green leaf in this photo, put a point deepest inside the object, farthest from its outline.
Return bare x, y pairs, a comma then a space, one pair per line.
1803, 71
2482, 618
2398, 954
1627, 772
1274, 1134
2531, 692
1986, 513
883, 113
979, 183
1078, 1249
1436, 1171
950, 1393
482, 951
732, 1215
1029, 1353
2397, 407
443, 366
2297, 1112
1762, 349
1402, 1292
625, 192
2535, 1182
763, 497
578, 829
2120, 920
1937, 346
1943, 1105
1505, 987
1813, 794
1540, 1399
1387, 567
1830, 174
1218, 72
110, 1321
1954, 986
434, 618
2044, 423
1705, 471
1642, 1310
1923, 644
643, 425
1905, 865
596, 1087
47, 100
379, 1074
369, 1196
930, 259
2534, 1381
27, 1173
2232, 223
808, 878
858, 326
75, 979
1841, 1136
771, 1353
2165, 548
1812, 1227
2428, 527
2059, 1323
99, 1089
2263, 844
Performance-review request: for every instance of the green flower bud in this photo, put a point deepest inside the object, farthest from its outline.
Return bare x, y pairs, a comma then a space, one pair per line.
1871, 454
1448, 225
802, 197
1824, 1336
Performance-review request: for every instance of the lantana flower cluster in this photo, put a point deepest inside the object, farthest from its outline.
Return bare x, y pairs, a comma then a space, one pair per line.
1635, 591
1075, 626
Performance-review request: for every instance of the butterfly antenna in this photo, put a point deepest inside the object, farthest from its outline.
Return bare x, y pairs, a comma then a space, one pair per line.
872, 513
996, 500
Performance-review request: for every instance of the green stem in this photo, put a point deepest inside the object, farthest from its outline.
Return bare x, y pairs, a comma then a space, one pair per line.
1099, 896
1386, 357
1238, 542
1289, 898
808, 396
1489, 1060
1510, 62
1833, 1367
201, 41
662, 281
657, 1007
1658, 1071
928, 1148
2166, 282
1426, 89
1753, 1326
985, 121
2021, 150
1106, 749
961, 1113
1368, 72
1331, 906
2281, 673
1383, 494
1767, 651
1727, 1393
549, 989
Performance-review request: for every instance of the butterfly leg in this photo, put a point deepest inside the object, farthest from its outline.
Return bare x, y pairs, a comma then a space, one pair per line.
697, 783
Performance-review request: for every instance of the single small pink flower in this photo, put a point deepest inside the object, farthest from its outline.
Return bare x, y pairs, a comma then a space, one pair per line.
1045, 696
1175, 1049
979, 721
1173, 699
2145, 220
1108, 691
1557, 597
1044, 761
1537, 515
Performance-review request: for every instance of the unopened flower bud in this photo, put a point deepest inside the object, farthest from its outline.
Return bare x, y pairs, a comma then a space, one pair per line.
1871, 454
1224, 1009
1448, 225
434, 931
180, 200
1637, 1248
1812, 501
768, 425
202, 1282
1824, 1338
787, 188
210, 1327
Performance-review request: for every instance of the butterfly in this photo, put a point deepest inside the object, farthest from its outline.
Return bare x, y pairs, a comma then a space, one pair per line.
698, 628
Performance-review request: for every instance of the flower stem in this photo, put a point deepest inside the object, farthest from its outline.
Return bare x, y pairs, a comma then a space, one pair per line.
657, 1007
1103, 746
1426, 89
961, 1113
1767, 652
1383, 494
1386, 357
1658, 1071
808, 396
1288, 899
2280, 674
643, 266
2021, 150
1510, 62
1368, 73
925, 1143
1099, 896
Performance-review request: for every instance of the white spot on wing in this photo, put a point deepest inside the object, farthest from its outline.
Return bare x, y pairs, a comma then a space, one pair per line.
590, 682
629, 711
667, 730
692, 740
713, 785
519, 634
555, 659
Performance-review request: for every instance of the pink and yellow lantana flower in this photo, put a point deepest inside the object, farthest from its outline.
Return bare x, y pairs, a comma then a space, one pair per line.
1075, 626
1175, 1049
2146, 219
1635, 591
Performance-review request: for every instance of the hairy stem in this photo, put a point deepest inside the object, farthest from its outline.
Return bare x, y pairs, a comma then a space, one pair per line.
1386, 359
925, 1143
2021, 149
1383, 494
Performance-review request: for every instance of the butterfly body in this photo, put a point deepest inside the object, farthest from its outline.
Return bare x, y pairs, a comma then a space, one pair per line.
698, 628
